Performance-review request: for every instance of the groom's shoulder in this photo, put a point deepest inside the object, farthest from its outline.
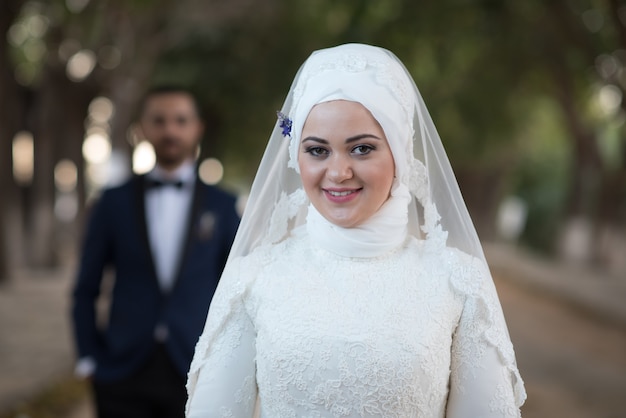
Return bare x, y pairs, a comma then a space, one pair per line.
128, 186
126, 191
218, 195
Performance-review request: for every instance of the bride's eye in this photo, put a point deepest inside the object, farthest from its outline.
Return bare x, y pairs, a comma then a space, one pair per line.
363, 149
316, 151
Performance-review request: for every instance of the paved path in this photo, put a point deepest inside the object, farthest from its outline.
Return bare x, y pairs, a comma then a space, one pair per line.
573, 365
600, 295
35, 347
83, 410
35, 340
568, 324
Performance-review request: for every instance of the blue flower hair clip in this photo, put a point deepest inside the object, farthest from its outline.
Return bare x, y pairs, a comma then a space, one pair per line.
285, 123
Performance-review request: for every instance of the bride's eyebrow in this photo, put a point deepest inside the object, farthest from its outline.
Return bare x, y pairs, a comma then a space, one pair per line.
359, 137
315, 139
348, 140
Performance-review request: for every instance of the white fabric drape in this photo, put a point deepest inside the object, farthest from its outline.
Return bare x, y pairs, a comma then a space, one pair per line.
384, 231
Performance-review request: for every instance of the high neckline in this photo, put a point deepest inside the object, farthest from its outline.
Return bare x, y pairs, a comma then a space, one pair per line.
383, 232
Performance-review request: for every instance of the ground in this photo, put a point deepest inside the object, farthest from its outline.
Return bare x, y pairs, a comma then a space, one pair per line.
574, 366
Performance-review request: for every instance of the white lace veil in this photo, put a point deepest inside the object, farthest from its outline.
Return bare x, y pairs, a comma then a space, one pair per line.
277, 203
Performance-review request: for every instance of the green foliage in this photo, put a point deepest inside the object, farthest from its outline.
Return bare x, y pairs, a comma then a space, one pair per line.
511, 86
475, 62
245, 71
542, 179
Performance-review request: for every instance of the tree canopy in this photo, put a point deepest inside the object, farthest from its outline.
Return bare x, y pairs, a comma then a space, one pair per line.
527, 96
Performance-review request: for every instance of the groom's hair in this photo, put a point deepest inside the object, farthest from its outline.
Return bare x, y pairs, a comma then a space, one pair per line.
167, 89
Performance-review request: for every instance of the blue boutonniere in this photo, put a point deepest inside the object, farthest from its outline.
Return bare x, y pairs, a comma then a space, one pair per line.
285, 123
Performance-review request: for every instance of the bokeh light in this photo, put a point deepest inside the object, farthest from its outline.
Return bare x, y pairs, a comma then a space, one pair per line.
607, 65
101, 110
609, 99
65, 176
511, 218
211, 171
37, 25
593, 20
23, 158
66, 207
80, 65
17, 35
76, 6
96, 148
66, 204
97, 175
34, 50
143, 158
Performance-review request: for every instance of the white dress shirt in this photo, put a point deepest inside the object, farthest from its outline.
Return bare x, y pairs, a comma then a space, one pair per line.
167, 214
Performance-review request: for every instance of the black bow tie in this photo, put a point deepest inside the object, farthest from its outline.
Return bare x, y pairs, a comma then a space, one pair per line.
155, 184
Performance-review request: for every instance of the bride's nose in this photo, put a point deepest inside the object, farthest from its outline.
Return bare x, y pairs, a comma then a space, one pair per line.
339, 169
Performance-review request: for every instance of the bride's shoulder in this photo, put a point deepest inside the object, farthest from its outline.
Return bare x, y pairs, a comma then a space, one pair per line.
463, 270
441, 254
265, 254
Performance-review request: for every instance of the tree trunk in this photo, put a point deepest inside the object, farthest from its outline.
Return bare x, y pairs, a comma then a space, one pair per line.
69, 138
59, 132
576, 241
482, 192
40, 220
10, 115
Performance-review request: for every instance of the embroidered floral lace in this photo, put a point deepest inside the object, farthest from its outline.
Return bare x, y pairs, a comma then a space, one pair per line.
417, 332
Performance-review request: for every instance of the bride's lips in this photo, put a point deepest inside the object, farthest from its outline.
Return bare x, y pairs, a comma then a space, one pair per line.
341, 195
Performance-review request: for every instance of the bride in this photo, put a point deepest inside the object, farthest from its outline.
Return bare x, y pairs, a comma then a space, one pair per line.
356, 286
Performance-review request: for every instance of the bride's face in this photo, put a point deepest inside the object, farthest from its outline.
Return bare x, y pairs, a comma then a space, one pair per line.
346, 164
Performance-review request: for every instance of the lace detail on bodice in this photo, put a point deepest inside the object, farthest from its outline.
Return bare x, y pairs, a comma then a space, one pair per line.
346, 337
343, 343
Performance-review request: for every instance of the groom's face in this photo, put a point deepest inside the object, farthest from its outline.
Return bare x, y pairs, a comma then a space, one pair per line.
170, 122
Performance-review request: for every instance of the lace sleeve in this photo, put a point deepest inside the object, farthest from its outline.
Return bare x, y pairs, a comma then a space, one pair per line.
222, 378
484, 380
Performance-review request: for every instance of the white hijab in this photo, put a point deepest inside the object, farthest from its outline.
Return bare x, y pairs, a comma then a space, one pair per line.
360, 81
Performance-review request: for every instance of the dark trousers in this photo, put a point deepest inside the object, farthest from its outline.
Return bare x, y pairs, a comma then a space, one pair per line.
157, 390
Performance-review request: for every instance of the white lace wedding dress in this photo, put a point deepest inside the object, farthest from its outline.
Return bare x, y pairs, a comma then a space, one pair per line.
417, 332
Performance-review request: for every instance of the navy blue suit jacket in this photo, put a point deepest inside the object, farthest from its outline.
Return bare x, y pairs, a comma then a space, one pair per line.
117, 237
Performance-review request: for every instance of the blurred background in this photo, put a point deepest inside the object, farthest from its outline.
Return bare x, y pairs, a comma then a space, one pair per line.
527, 97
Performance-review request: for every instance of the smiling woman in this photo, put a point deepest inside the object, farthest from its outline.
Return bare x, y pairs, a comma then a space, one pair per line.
356, 286
345, 162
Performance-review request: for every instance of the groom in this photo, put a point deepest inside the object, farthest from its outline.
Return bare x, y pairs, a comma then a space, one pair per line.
166, 235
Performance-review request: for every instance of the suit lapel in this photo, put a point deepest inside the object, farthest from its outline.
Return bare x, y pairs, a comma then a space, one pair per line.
191, 222
140, 194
